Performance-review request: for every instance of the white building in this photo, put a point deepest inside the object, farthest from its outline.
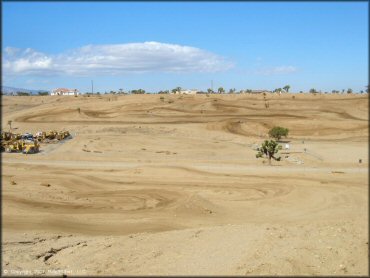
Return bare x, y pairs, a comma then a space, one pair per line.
187, 92
64, 92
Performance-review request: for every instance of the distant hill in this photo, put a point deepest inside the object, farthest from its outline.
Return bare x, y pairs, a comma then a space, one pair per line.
12, 90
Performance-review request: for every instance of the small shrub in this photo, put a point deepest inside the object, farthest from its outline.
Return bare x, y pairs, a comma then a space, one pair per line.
277, 132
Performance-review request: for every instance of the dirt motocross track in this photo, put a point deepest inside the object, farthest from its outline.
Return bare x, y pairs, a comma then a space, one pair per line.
172, 186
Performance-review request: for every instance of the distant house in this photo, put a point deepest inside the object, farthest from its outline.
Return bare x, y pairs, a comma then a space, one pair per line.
187, 92
64, 92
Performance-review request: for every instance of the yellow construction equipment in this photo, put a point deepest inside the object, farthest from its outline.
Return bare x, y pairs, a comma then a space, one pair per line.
59, 136
5, 136
16, 136
24, 146
51, 134
30, 147
40, 136
28, 143
14, 146
62, 135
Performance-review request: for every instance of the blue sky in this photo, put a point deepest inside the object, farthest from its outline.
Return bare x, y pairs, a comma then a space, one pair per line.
242, 45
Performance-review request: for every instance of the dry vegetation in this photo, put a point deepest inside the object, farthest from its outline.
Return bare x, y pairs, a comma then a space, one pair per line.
172, 186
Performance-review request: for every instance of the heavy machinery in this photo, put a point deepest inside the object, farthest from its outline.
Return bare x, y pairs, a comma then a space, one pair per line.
14, 146
51, 134
28, 143
31, 147
66, 134
62, 135
24, 146
5, 136
27, 136
16, 136
40, 136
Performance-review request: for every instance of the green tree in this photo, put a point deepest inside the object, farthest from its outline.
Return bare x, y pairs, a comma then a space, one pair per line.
23, 94
278, 90
42, 93
209, 91
277, 132
177, 89
221, 90
139, 91
269, 149
349, 91
313, 91
286, 88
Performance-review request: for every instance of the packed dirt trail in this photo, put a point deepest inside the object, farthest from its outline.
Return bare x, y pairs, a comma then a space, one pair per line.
170, 186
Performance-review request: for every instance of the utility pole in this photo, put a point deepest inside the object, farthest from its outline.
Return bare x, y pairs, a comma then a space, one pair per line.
92, 87
212, 85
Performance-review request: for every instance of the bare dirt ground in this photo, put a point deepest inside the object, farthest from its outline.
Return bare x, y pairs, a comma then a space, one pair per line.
169, 187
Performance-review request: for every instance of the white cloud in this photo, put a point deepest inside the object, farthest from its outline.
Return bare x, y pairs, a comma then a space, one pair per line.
114, 59
277, 70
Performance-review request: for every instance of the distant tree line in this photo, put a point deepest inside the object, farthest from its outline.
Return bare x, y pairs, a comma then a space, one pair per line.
220, 90
23, 94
